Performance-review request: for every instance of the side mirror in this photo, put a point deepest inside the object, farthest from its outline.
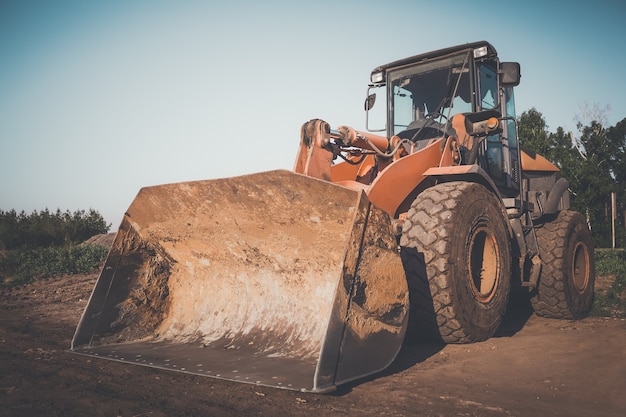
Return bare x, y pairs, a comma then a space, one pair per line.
483, 123
510, 74
369, 101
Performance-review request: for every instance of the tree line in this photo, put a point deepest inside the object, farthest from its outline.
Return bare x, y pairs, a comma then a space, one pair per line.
594, 162
44, 244
22, 231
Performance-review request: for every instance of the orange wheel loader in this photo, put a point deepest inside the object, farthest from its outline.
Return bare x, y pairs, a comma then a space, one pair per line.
306, 279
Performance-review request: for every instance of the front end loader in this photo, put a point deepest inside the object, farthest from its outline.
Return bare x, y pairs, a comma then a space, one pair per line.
311, 278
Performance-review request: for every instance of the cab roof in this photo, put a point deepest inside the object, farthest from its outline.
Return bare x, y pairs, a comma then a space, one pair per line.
491, 51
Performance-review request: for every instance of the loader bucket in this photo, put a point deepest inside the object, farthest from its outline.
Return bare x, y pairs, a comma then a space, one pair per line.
275, 279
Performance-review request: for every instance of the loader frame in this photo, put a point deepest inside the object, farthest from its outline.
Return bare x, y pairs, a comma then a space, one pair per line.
393, 172
311, 278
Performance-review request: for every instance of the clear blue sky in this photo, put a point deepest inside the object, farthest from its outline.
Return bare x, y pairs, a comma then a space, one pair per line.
100, 98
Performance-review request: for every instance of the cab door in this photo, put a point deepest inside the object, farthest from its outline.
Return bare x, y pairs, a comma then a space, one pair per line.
499, 154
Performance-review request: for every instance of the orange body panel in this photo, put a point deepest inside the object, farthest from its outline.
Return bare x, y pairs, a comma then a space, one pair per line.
451, 170
537, 163
348, 172
458, 123
395, 182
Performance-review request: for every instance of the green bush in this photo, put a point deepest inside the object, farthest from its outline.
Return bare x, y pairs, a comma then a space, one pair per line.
23, 266
612, 302
44, 244
20, 231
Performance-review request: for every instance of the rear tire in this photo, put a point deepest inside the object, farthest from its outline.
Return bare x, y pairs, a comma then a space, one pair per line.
459, 234
565, 287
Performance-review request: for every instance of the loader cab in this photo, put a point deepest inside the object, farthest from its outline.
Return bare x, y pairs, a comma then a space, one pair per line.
424, 92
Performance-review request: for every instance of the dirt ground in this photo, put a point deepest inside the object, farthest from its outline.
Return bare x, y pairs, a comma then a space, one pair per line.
534, 367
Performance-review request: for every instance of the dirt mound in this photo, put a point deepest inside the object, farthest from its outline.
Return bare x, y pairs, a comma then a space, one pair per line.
104, 239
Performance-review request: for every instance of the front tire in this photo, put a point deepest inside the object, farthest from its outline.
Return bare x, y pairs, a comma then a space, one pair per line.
565, 287
459, 232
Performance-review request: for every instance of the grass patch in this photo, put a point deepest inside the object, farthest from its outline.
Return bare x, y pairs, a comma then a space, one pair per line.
610, 295
24, 266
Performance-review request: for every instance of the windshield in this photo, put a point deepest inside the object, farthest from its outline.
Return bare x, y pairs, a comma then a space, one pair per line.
432, 91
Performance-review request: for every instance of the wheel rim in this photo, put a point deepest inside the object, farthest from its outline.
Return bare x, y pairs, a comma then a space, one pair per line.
483, 265
580, 267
